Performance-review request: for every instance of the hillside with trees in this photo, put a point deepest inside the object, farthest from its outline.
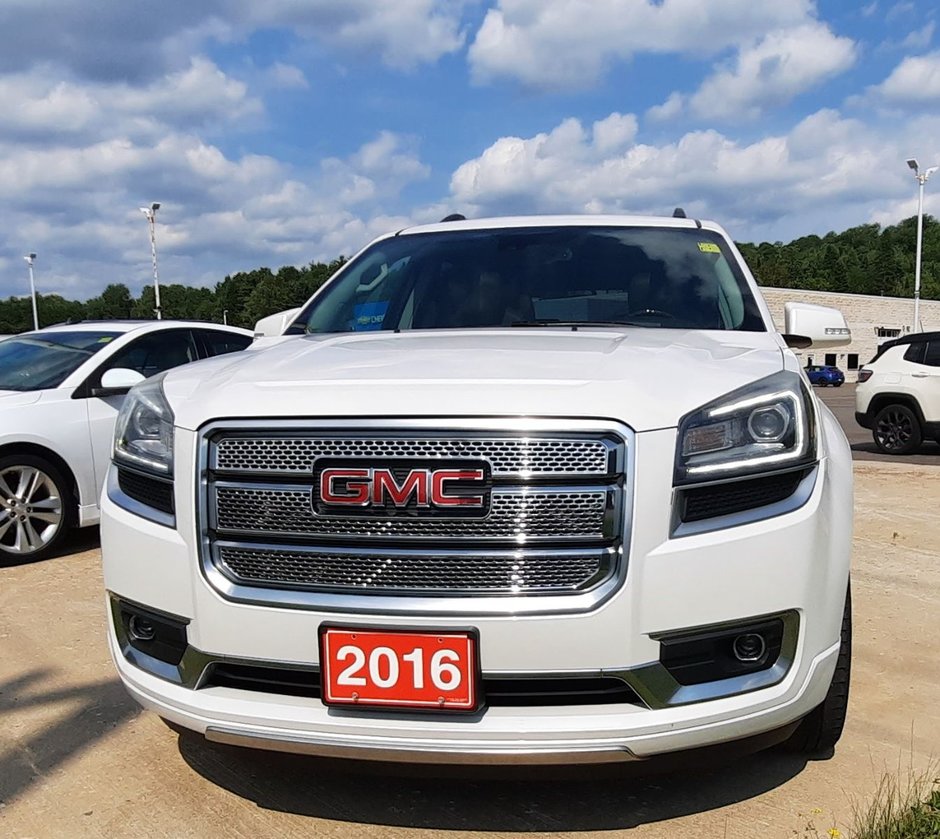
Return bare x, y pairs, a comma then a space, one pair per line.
867, 259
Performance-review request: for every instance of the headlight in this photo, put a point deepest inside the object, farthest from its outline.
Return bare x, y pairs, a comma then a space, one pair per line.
764, 426
143, 433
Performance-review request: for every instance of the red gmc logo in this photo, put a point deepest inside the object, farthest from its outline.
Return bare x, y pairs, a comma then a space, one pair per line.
367, 487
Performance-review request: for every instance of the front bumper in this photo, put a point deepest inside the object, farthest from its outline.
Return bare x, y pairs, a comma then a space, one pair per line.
792, 563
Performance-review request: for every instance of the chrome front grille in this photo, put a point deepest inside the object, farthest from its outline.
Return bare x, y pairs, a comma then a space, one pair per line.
555, 524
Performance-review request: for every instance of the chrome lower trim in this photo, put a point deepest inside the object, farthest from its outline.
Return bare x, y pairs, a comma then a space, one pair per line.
132, 505
426, 753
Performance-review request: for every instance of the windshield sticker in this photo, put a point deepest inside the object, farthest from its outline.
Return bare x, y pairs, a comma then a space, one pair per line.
369, 316
105, 339
708, 247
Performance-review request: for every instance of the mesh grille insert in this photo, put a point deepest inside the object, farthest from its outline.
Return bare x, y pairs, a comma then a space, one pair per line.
513, 516
495, 573
709, 502
150, 491
507, 455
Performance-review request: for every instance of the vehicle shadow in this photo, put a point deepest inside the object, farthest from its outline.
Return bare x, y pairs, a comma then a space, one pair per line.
89, 712
928, 447
512, 799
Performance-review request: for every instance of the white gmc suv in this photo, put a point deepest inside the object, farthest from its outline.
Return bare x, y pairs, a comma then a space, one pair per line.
528, 489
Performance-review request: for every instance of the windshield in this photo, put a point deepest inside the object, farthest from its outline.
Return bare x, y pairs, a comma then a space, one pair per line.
41, 360
676, 278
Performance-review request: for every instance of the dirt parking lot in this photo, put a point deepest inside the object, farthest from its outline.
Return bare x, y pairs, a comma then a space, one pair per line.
78, 759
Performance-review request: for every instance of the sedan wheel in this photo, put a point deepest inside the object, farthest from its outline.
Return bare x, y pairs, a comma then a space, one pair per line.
33, 512
897, 430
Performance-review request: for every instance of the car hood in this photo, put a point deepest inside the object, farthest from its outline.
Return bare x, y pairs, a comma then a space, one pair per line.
646, 378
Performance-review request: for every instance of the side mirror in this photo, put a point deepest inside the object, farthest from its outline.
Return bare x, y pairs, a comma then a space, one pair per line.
117, 381
809, 325
274, 325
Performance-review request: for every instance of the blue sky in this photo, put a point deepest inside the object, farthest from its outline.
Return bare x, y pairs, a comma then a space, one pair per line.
293, 130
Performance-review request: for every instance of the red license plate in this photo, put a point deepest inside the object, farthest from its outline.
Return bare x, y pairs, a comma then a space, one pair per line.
389, 668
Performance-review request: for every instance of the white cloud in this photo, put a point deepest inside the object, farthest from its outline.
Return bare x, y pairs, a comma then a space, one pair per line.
826, 170
286, 77
146, 42
42, 107
569, 43
614, 132
915, 81
669, 109
919, 39
779, 66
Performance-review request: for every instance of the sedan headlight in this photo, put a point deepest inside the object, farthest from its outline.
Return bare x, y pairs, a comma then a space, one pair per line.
143, 433
762, 427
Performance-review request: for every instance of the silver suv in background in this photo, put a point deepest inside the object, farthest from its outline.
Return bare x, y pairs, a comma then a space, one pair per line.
898, 394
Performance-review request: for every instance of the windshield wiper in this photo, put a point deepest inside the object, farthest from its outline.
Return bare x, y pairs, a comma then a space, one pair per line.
575, 323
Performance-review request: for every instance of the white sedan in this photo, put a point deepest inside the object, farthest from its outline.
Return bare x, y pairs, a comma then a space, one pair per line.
60, 391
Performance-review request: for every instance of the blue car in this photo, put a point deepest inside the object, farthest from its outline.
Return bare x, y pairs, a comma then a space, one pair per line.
824, 374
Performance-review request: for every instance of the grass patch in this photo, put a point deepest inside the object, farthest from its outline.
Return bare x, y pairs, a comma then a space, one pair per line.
908, 809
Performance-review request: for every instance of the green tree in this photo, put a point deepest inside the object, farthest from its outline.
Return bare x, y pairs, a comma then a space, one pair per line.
115, 302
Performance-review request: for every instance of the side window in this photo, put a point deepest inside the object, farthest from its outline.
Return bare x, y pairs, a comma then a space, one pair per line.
220, 343
932, 356
915, 353
156, 352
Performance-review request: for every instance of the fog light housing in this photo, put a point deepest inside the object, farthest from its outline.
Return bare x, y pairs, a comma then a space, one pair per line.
148, 639
709, 654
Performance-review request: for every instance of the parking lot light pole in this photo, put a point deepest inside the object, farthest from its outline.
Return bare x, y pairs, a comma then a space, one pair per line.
30, 259
922, 178
151, 214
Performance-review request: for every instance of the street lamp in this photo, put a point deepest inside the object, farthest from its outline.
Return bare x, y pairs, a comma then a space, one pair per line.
30, 259
151, 214
922, 178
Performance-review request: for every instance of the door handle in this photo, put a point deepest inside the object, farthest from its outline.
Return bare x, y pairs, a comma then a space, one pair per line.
920, 375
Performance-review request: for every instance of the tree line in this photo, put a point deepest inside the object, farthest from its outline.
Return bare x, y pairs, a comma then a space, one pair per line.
867, 259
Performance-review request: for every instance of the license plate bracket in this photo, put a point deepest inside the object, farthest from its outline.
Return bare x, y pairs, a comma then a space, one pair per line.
394, 668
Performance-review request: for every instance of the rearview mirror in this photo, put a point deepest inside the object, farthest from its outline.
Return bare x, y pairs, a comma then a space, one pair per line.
809, 325
274, 325
117, 381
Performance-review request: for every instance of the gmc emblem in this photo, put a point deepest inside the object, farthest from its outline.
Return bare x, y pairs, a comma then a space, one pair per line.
351, 487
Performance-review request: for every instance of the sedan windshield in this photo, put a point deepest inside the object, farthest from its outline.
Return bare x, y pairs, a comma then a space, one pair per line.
41, 360
675, 278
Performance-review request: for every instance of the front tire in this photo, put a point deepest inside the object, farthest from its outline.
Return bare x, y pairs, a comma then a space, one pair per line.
36, 508
820, 730
897, 430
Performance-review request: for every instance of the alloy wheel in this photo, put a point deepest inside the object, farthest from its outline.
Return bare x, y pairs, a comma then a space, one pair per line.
895, 430
31, 510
